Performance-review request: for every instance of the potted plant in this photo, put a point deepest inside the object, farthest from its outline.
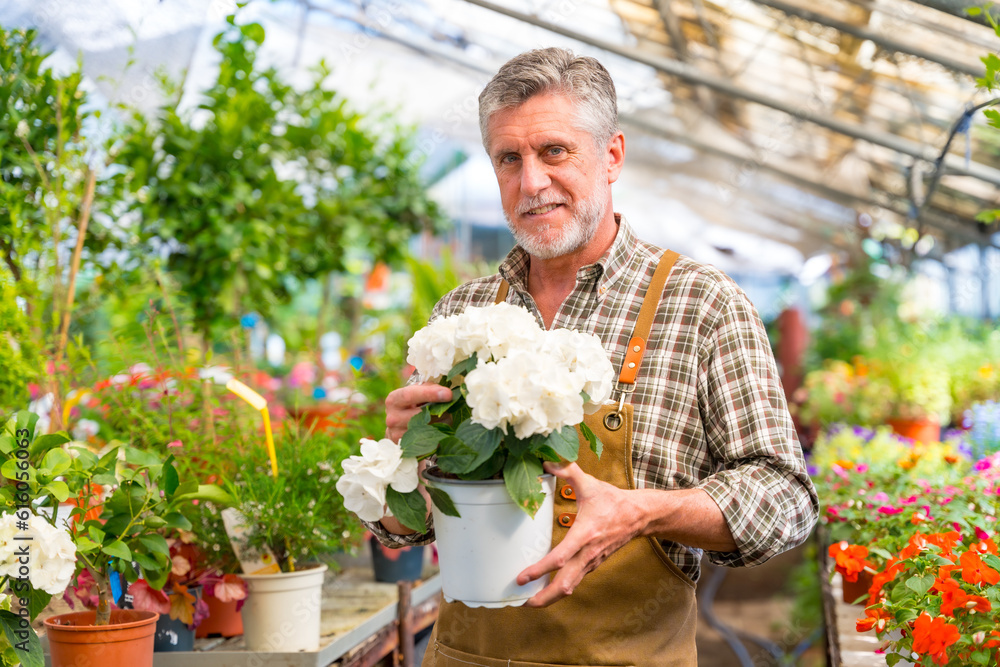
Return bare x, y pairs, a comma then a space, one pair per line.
519, 393
145, 495
281, 527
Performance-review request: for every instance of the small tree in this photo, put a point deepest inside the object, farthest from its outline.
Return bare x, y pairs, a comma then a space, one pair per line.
263, 185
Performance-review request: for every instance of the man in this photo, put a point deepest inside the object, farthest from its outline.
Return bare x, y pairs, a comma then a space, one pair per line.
700, 452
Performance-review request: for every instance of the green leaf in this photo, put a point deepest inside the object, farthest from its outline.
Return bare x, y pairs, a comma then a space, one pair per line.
920, 585
410, 508
177, 520
973, 11
438, 409
892, 659
9, 469
118, 549
85, 544
212, 493
155, 544
116, 524
171, 480
463, 367
38, 600
455, 456
442, 501
484, 441
55, 463
44, 443
906, 614
141, 458
980, 657
145, 561
57, 489
254, 32
596, 445
105, 479
420, 441
95, 533
880, 552
520, 475
33, 657
156, 577
491, 468
565, 442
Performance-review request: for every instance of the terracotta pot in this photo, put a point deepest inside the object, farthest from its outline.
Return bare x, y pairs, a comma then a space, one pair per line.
925, 429
74, 640
855, 589
223, 619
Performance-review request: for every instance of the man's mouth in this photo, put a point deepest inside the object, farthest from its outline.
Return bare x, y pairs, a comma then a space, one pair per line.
541, 210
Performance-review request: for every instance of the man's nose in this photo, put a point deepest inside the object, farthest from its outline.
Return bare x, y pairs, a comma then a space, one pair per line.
534, 176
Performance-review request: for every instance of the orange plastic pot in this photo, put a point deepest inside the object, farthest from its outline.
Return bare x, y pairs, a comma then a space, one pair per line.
223, 619
322, 417
74, 640
925, 429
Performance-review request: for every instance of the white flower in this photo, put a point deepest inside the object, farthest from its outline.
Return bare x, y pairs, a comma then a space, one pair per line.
584, 356
367, 477
217, 374
51, 553
22, 129
85, 428
493, 331
432, 349
529, 390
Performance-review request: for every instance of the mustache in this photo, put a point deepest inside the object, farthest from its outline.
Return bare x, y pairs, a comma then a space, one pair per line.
537, 201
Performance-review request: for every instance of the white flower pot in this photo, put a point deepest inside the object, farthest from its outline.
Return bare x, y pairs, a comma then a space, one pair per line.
282, 611
482, 552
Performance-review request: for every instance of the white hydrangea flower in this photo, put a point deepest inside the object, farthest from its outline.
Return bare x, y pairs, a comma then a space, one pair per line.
84, 429
584, 356
367, 477
493, 331
529, 390
52, 553
432, 350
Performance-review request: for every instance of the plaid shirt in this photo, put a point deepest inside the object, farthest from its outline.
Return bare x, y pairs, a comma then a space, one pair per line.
709, 409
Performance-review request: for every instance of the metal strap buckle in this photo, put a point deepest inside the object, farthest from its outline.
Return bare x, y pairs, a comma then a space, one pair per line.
614, 420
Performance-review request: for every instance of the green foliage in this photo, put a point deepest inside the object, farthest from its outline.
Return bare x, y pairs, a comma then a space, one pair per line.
20, 361
265, 185
298, 515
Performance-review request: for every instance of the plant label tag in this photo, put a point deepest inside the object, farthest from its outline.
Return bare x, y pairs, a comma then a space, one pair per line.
251, 560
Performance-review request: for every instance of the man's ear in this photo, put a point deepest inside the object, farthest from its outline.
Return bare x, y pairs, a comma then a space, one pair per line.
616, 156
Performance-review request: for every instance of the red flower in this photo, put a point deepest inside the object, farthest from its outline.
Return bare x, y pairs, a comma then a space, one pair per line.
932, 636
975, 571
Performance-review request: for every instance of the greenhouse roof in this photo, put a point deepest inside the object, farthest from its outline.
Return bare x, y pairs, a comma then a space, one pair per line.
759, 132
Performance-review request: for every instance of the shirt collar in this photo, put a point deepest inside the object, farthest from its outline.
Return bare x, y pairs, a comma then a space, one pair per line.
514, 268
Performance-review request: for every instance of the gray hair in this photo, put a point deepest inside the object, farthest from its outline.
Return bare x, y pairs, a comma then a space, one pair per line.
554, 70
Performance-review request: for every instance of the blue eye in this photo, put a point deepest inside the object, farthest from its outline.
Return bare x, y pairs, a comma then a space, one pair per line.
556, 150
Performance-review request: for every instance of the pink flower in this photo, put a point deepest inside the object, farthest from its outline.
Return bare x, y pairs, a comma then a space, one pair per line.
861, 467
889, 509
175, 444
909, 500
839, 472
982, 464
956, 526
880, 497
981, 534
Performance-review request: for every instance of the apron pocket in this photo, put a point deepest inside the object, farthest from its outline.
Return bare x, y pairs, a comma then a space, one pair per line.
442, 656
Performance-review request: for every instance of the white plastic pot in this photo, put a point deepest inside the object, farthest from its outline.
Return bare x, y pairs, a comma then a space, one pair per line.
282, 611
482, 552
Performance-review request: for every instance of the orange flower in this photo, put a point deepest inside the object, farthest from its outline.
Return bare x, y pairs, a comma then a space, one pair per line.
987, 546
932, 636
850, 559
918, 542
875, 617
951, 458
953, 597
975, 571
845, 464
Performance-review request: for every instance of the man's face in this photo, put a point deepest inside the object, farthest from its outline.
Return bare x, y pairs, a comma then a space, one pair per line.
555, 185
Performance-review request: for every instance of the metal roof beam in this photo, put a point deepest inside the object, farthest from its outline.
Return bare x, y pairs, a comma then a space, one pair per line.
805, 112
960, 9
873, 36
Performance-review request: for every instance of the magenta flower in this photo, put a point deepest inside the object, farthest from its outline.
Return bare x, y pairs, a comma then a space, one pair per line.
889, 509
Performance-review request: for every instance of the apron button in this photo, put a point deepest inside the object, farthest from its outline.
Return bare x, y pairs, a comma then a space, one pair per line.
566, 519
567, 492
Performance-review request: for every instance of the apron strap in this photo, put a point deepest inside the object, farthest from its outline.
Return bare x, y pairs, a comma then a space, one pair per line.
502, 291
643, 324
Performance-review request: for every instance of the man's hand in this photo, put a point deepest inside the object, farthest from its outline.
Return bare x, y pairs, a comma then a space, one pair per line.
606, 520
608, 517
400, 406
403, 403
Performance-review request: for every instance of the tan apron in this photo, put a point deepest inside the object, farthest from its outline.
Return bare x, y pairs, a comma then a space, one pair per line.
637, 608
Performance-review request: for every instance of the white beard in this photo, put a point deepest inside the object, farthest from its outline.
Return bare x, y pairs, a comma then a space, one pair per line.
574, 235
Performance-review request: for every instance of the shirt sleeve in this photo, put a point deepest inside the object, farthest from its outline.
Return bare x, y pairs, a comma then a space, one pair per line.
762, 485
